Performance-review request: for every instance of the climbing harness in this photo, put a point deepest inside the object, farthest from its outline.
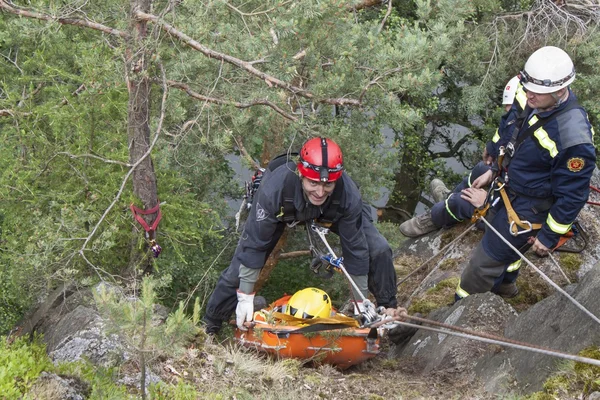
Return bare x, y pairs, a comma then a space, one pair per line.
150, 229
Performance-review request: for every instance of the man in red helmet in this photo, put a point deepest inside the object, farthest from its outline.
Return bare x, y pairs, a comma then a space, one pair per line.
314, 188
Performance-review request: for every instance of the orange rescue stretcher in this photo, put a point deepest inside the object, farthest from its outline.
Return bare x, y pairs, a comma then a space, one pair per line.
337, 340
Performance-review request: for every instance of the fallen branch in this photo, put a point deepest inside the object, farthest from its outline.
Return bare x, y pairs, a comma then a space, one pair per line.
295, 254
11, 113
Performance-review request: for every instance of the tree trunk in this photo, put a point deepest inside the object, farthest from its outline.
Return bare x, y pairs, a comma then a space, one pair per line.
138, 120
407, 191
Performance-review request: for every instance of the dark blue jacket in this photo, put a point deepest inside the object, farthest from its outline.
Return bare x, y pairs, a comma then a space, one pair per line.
556, 163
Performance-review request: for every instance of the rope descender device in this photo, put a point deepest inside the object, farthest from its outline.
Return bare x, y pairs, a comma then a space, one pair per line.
150, 229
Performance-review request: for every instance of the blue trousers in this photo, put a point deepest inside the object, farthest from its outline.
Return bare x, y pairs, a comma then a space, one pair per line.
455, 209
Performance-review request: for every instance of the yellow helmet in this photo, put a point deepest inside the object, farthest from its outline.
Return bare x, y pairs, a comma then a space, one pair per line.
309, 303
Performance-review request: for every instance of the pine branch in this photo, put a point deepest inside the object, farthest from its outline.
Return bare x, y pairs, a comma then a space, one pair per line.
245, 65
64, 21
259, 102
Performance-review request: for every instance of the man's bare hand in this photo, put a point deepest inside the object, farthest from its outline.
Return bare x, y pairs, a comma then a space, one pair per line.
483, 180
399, 312
540, 249
474, 196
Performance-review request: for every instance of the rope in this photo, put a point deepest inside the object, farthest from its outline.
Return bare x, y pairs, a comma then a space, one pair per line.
435, 255
557, 265
487, 338
577, 304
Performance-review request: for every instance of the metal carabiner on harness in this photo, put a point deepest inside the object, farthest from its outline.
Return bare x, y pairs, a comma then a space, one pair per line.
517, 232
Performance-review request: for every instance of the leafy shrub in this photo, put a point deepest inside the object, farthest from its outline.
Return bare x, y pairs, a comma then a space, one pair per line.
20, 365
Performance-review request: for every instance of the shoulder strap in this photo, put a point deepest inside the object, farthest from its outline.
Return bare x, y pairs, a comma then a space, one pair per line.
541, 121
288, 209
516, 139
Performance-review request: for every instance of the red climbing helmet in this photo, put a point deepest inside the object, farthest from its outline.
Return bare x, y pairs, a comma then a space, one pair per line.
321, 160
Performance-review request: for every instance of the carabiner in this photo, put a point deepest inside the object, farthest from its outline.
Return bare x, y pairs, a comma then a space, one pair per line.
517, 233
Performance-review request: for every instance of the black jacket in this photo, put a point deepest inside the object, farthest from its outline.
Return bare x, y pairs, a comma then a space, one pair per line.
264, 225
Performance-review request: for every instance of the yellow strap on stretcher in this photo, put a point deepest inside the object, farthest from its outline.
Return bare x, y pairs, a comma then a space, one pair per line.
336, 319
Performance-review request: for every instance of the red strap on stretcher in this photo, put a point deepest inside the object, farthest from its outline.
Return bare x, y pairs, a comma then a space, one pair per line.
137, 211
596, 190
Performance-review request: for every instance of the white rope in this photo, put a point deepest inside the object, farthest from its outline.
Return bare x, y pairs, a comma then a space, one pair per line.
507, 344
577, 304
557, 265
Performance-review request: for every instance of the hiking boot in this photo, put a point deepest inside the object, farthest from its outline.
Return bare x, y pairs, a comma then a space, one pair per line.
418, 226
507, 290
212, 326
438, 190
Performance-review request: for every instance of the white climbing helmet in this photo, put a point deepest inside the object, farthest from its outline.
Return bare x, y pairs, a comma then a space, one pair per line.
548, 70
510, 90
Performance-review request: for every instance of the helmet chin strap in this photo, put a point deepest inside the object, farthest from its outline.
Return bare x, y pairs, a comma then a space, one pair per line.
560, 100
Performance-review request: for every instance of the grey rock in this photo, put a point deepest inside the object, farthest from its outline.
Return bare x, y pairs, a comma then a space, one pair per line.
53, 387
451, 356
554, 323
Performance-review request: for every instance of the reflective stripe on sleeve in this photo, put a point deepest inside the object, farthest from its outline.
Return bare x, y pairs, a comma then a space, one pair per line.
521, 97
546, 142
448, 208
496, 137
557, 227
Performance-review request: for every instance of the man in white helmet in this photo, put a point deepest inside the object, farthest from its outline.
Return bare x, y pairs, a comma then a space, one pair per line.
551, 158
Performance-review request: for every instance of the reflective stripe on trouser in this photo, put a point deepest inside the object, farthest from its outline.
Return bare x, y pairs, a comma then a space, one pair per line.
480, 274
493, 262
455, 209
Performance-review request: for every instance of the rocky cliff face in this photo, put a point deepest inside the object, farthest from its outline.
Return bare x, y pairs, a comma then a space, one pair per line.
554, 322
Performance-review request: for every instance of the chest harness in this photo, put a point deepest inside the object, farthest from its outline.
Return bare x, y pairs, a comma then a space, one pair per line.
500, 171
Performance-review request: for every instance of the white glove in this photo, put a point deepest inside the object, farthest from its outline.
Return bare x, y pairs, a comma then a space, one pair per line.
244, 309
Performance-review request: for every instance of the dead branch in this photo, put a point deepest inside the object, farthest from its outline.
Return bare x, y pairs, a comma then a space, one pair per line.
244, 152
268, 79
11, 113
295, 254
64, 21
387, 14
365, 4
259, 102
375, 80
252, 14
80, 89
